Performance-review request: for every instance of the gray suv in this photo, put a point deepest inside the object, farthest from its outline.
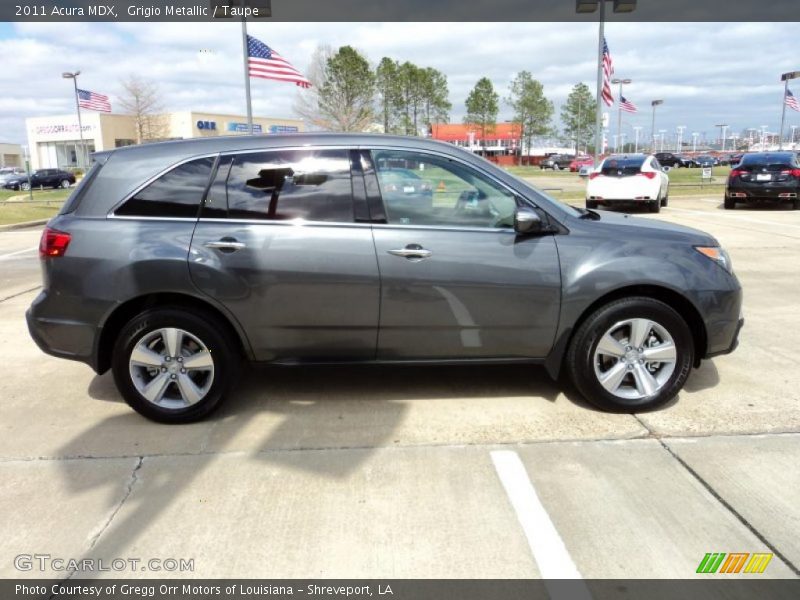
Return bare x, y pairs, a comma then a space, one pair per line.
174, 264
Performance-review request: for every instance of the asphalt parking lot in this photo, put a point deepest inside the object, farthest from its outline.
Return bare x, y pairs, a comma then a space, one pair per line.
440, 472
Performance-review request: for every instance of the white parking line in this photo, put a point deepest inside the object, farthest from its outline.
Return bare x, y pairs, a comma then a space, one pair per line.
11, 254
734, 217
548, 548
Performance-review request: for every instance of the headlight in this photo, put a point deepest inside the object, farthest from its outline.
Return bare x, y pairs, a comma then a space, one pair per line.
718, 255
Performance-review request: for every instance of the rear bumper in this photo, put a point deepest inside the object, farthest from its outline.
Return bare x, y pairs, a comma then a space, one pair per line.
764, 192
64, 338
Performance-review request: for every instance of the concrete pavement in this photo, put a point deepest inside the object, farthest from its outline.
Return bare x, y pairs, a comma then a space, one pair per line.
392, 472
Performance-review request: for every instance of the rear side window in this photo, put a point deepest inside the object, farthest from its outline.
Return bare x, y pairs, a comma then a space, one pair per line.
177, 193
313, 185
622, 166
75, 197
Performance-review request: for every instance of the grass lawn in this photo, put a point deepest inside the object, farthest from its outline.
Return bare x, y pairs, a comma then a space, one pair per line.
46, 204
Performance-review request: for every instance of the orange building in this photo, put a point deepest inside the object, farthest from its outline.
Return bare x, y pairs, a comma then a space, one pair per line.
502, 140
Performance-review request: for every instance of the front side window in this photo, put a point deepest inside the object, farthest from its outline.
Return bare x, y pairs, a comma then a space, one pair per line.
313, 185
424, 189
177, 193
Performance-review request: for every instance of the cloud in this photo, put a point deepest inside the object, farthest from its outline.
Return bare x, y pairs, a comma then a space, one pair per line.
706, 72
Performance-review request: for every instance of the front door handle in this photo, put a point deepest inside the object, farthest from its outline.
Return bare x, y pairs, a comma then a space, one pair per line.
412, 252
226, 245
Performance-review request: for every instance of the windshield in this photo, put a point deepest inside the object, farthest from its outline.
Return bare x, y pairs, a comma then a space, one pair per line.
766, 162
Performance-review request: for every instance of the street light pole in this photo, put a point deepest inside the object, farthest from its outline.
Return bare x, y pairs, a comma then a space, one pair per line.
785, 78
663, 132
722, 130
679, 145
695, 135
654, 103
74, 77
636, 131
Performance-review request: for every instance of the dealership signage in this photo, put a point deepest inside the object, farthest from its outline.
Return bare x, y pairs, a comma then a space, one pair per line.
283, 129
210, 125
242, 127
69, 128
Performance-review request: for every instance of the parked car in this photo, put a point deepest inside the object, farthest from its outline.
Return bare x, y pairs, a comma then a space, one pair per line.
735, 159
585, 171
686, 161
174, 263
706, 161
580, 161
9, 172
764, 176
53, 178
404, 189
557, 162
668, 159
628, 179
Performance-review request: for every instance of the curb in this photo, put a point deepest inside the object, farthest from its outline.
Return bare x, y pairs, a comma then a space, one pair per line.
23, 225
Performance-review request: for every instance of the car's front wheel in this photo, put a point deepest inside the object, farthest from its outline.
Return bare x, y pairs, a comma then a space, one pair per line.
631, 355
173, 365
24, 187
65, 183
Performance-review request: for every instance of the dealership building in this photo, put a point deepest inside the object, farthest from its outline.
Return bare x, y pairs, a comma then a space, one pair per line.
10, 155
54, 142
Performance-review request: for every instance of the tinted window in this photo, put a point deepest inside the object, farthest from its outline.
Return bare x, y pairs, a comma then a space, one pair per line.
313, 185
622, 166
177, 193
422, 189
768, 162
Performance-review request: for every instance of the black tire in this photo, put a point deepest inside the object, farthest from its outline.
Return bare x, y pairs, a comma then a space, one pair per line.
579, 359
207, 328
591, 204
64, 184
729, 203
654, 206
665, 200
796, 204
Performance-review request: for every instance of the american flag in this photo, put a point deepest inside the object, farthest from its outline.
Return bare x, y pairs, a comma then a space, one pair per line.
264, 62
608, 71
92, 101
791, 100
627, 105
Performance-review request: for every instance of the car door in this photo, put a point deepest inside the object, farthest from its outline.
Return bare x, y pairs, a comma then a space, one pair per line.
278, 244
456, 281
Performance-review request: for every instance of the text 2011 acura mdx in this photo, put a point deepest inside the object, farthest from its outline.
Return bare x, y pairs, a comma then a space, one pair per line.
174, 263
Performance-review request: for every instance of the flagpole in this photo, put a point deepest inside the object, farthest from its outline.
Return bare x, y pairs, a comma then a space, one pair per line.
245, 55
598, 127
783, 112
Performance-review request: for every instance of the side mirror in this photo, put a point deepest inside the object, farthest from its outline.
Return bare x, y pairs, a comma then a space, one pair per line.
527, 220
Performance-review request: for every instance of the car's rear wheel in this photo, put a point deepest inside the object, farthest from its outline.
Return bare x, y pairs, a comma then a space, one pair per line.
729, 203
591, 204
630, 355
654, 206
665, 200
796, 204
173, 365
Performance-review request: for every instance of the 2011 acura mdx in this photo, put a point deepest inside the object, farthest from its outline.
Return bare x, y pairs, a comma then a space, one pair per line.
174, 263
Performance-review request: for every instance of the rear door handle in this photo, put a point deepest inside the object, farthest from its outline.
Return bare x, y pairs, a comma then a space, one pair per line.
226, 245
412, 251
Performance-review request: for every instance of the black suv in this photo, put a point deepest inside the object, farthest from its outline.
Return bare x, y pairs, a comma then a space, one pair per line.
764, 176
668, 159
53, 178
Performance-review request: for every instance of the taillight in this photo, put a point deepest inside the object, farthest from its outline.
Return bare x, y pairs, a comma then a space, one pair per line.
737, 173
792, 172
53, 243
649, 174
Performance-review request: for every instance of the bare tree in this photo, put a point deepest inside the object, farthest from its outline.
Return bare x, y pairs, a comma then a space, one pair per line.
343, 91
141, 99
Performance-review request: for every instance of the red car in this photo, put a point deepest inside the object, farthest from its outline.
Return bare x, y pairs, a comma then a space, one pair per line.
580, 161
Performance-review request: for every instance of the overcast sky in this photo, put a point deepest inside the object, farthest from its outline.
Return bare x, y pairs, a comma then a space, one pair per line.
707, 73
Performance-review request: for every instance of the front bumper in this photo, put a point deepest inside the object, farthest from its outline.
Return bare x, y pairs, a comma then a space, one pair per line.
734, 343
